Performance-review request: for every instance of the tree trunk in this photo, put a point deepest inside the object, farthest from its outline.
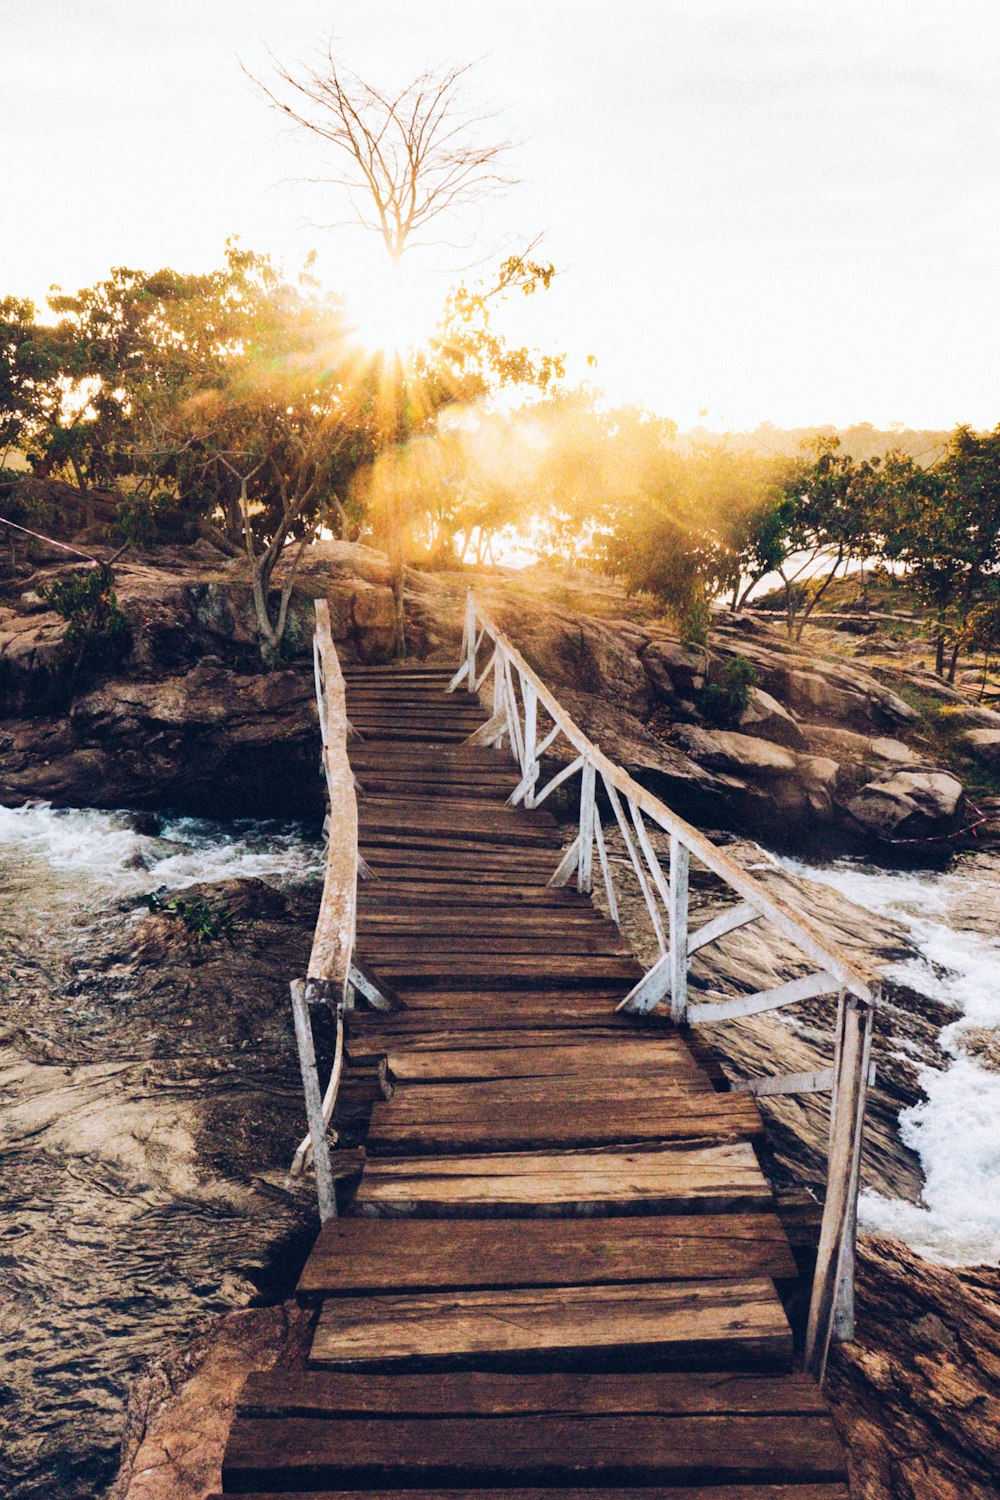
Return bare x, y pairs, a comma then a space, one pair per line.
953, 663
939, 654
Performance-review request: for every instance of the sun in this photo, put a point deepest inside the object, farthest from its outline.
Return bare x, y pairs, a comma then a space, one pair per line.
393, 310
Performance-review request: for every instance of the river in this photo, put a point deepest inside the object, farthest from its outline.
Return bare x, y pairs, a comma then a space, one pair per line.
148, 1111
131, 1131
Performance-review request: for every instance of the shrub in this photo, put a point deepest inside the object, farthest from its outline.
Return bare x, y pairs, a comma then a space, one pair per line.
206, 923
97, 633
722, 702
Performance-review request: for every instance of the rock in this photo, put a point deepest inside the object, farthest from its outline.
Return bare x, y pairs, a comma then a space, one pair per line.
674, 668
765, 717
913, 804
772, 778
973, 715
984, 745
373, 606
32, 603
916, 1395
182, 1406
859, 749
210, 741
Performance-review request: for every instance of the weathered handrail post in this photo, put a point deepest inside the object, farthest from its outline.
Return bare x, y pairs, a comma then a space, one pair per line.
328, 975
832, 1306
588, 799
470, 640
529, 694
325, 1194
679, 868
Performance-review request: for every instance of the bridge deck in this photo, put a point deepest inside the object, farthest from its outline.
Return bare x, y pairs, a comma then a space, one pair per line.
556, 1275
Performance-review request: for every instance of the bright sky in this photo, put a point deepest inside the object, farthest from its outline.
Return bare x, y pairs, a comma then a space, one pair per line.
784, 211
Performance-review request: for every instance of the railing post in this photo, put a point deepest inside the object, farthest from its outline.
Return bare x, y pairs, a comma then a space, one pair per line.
832, 1305
679, 863
585, 865
470, 640
325, 1194
529, 695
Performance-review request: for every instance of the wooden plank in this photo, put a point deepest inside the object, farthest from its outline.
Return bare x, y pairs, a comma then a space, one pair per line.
726, 1323
316, 1393
370, 1043
485, 920
529, 1184
504, 972
386, 893
487, 1096
531, 1450
358, 1255
547, 1058
561, 1123
572, 943
685, 1492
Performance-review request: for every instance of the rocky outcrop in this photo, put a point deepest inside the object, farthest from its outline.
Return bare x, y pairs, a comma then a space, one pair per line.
984, 744
190, 712
211, 741
913, 804
917, 1395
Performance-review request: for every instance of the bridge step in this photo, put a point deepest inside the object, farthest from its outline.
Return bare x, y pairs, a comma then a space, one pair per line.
689, 1324
364, 1255
526, 1449
684, 1180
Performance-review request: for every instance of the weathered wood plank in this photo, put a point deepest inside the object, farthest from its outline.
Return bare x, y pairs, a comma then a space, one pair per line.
684, 1179
807, 1491
547, 1057
729, 1323
357, 1255
518, 1125
316, 1393
527, 1449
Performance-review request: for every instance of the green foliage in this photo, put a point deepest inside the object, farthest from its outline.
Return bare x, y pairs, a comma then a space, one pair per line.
206, 923
163, 517
723, 701
97, 636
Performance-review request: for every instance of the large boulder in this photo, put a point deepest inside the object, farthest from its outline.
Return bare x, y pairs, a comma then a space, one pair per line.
911, 805
772, 779
984, 744
675, 669
766, 718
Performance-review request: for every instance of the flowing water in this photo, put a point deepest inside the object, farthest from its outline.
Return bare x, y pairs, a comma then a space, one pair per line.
953, 919
130, 1132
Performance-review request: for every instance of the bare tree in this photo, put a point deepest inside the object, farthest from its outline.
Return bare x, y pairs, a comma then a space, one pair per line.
407, 159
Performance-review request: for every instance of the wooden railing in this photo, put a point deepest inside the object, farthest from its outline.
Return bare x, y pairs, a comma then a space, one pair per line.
330, 975
530, 719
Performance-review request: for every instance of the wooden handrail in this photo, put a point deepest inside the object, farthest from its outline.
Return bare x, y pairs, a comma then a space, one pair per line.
329, 972
832, 1306
333, 941
859, 981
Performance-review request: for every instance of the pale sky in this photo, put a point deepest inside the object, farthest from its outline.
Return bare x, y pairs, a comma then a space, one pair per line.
781, 211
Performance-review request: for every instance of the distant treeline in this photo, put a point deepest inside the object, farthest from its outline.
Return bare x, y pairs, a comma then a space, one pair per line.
925, 445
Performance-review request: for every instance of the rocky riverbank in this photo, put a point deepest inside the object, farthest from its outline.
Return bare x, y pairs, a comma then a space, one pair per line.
823, 753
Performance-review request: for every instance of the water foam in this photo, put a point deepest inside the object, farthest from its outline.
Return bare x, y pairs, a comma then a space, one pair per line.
108, 857
956, 1130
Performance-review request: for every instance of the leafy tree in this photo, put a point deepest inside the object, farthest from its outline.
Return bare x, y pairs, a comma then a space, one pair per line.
832, 509
944, 525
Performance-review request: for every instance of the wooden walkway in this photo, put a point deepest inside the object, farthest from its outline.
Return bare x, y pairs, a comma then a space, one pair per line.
556, 1273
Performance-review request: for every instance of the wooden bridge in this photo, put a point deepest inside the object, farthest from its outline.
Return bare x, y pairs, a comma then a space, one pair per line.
560, 1270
